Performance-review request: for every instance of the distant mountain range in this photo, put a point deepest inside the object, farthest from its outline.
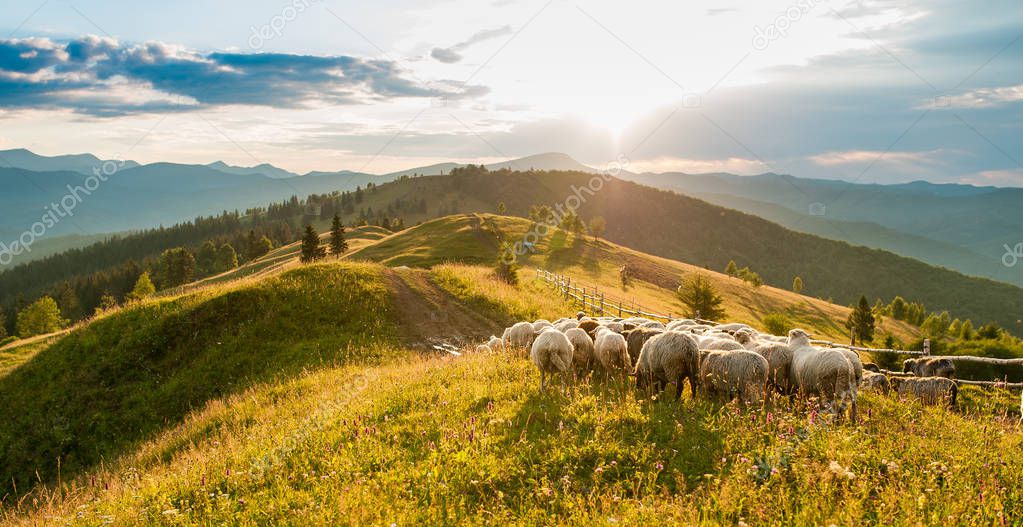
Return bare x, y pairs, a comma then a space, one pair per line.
961, 227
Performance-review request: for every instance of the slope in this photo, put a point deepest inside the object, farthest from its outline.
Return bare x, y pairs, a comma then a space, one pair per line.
98, 392
682, 228
469, 441
471, 239
870, 234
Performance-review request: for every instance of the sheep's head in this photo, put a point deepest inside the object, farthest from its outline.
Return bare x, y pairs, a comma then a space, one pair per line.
799, 337
907, 365
744, 336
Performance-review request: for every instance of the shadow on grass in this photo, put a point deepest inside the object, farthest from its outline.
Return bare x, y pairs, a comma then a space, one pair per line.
109, 386
604, 432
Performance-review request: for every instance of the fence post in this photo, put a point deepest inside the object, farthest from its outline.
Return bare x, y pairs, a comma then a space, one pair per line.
619, 309
602, 303
927, 346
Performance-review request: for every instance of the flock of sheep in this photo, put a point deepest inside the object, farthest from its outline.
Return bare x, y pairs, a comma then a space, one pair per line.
721, 361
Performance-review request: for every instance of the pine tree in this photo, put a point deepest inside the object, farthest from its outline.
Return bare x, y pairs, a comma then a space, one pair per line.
506, 267
501, 208
797, 285
701, 298
176, 266
731, 269
311, 250
143, 288
861, 322
338, 244
67, 300
3, 324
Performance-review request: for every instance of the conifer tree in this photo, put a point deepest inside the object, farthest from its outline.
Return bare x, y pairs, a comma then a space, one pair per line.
311, 250
338, 244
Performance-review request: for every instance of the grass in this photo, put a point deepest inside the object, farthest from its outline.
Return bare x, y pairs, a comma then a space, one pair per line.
288, 399
478, 287
470, 441
100, 390
595, 264
17, 353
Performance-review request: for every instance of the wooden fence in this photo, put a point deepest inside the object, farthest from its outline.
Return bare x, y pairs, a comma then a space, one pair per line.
592, 300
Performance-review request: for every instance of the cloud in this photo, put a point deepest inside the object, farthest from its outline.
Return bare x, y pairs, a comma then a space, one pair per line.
451, 55
81, 74
981, 98
869, 156
445, 55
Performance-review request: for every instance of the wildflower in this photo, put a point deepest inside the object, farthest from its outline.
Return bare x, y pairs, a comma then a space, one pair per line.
840, 471
598, 470
659, 465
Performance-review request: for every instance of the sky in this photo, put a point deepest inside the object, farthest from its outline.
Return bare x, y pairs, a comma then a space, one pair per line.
872, 91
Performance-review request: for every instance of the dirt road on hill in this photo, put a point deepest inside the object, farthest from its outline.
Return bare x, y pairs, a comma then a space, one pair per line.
429, 315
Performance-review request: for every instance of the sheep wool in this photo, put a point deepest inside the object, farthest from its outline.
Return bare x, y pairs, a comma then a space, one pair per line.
611, 351
929, 390
826, 373
519, 335
636, 338
875, 382
582, 349
668, 357
732, 373
552, 354
779, 365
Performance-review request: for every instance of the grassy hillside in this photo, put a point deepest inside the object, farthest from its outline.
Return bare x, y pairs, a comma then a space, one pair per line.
674, 226
470, 239
469, 441
303, 398
96, 392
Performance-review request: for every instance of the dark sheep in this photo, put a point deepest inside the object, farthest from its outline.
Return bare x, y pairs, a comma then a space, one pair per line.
930, 367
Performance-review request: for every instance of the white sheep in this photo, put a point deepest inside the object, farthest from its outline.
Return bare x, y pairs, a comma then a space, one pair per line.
719, 344
582, 349
854, 359
930, 390
669, 357
610, 350
823, 372
495, 343
741, 373
520, 335
483, 348
779, 364
732, 328
748, 338
539, 325
875, 382
552, 354
566, 325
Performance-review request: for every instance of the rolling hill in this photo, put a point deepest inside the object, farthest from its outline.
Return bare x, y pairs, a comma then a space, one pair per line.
307, 396
682, 228
962, 227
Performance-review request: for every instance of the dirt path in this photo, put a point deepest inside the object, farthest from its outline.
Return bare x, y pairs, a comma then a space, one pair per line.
429, 315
